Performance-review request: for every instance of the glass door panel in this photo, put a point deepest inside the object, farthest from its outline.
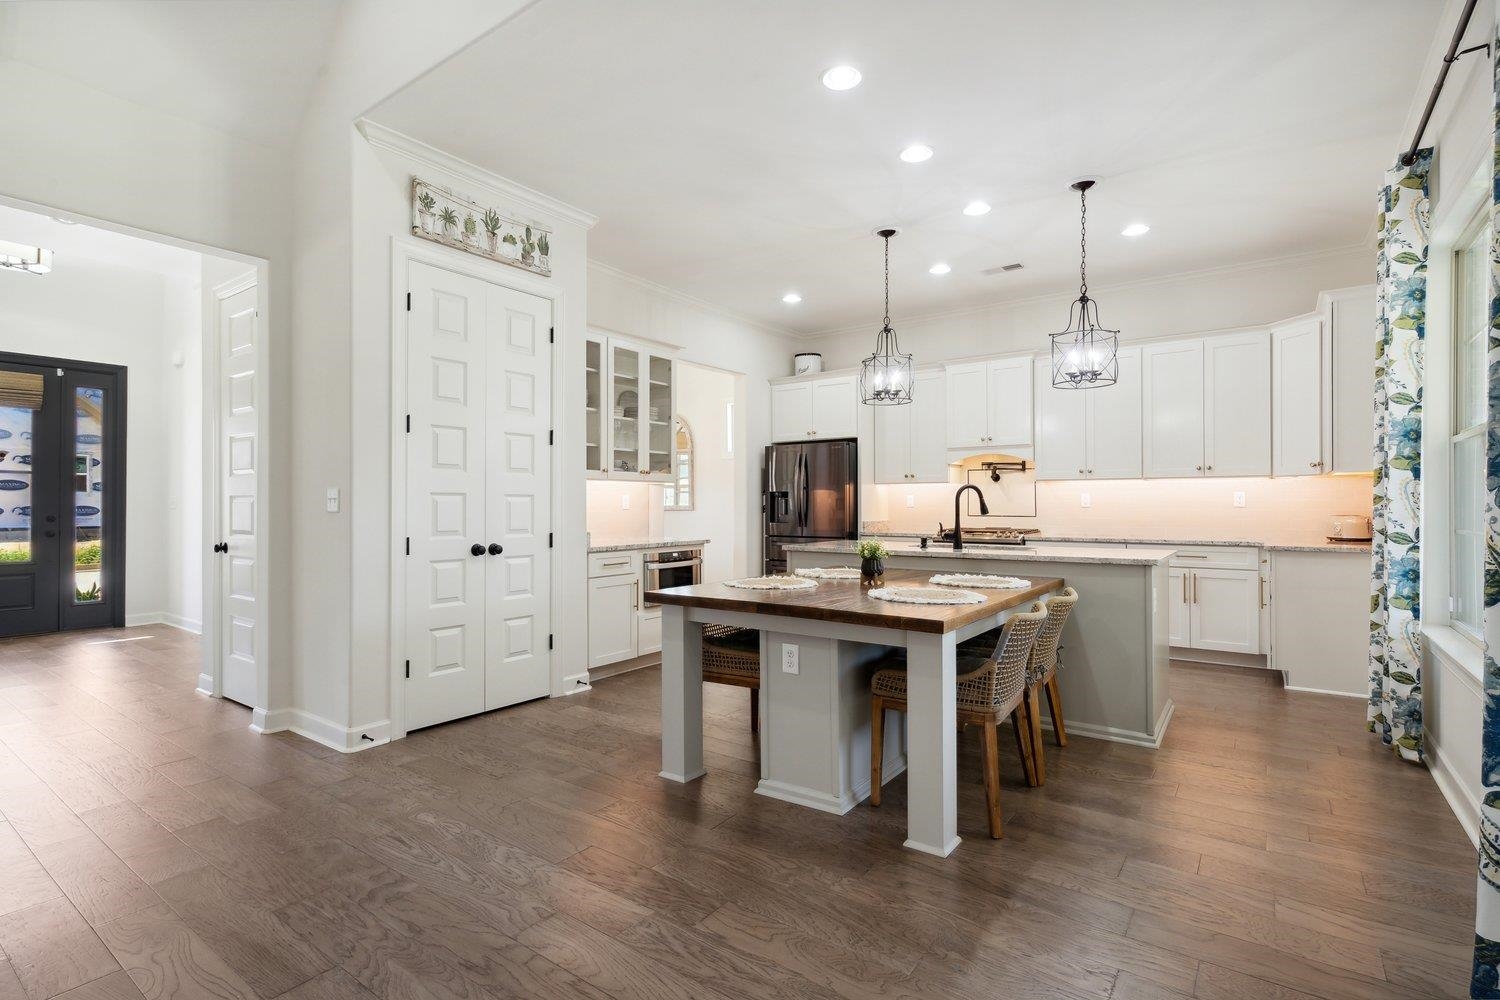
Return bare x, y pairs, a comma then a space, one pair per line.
92, 503
593, 416
625, 409
88, 495
30, 532
659, 418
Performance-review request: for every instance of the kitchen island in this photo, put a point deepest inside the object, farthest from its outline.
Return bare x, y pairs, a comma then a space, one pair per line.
815, 649
1116, 646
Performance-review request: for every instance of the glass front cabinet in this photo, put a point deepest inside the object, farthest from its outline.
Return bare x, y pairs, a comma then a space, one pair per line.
631, 396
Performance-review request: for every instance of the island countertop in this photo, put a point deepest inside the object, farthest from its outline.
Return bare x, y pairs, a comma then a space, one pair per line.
1050, 554
848, 602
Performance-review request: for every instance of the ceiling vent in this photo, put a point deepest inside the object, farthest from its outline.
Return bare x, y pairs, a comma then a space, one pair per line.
1003, 268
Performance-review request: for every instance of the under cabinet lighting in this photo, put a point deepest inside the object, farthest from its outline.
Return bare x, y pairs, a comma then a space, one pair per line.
18, 257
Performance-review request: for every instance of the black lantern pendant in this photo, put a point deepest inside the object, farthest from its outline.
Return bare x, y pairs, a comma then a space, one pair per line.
885, 376
1085, 355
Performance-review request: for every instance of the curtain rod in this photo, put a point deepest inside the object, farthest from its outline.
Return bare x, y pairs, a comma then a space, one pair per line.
1410, 156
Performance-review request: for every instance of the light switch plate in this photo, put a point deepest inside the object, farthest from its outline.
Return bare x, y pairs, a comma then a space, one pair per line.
1084, 500
911, 501
1239, 498
789, 664
331, 500
624, 501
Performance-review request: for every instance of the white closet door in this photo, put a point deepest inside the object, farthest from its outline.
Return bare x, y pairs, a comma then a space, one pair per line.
1237, 405
242, 580
445, 496
519, 501
1172, 401
1114, 412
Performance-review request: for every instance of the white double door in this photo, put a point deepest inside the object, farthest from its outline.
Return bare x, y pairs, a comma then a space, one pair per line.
478, 497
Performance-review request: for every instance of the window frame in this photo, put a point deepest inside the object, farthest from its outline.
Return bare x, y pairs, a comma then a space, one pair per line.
680, 482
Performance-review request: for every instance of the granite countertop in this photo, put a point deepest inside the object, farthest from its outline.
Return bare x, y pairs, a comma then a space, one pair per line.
1280, 545
1017, 553
649, 543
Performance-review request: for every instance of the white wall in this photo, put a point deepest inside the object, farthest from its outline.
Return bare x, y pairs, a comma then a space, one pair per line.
717, 514
87, 311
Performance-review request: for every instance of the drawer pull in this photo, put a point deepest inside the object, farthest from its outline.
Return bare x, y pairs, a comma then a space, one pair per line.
1189, 555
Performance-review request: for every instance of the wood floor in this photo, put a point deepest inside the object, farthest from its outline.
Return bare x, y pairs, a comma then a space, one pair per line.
152, 845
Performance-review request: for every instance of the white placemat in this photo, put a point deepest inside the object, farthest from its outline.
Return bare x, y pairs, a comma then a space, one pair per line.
926, 595
984, 581
772, 583
829, 573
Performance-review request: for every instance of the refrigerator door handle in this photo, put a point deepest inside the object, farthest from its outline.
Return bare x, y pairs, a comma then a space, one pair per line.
806, 491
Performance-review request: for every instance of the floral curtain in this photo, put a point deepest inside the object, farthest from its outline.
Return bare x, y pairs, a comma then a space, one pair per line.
1395, 710
1486, 981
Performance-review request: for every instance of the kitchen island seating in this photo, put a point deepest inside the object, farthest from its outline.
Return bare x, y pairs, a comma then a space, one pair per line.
731, 655
1041, 675
988, 689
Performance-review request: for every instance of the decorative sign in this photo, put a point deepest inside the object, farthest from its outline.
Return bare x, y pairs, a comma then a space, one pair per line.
443, 217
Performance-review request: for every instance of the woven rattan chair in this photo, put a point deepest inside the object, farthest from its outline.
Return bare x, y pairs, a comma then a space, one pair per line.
989, 689
1041, 675
731, 655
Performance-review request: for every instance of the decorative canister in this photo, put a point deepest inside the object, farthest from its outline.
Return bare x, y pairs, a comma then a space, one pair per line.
807, 363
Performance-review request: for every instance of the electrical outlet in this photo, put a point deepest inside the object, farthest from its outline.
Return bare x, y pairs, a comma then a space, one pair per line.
624, 501
789, 664
911, 501
331, 500
1084, 500
1239, 498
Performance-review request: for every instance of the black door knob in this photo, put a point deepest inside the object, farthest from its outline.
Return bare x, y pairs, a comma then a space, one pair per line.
49, 533
496, 548
221, 547
476, 549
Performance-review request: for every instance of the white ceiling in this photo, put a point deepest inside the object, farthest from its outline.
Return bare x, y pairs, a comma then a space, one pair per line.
70, 243
700, 134
242, 66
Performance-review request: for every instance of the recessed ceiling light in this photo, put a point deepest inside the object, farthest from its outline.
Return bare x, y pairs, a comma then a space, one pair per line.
842, 78
1135, 229
791, 298
977, 208
917, 153
939, 268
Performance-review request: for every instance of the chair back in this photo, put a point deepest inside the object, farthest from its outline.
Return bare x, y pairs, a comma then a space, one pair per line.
1044, 651
1005, 672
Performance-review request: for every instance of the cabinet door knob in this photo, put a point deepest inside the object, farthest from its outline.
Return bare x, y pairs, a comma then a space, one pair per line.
1210, 468
1199, 468
1080, 472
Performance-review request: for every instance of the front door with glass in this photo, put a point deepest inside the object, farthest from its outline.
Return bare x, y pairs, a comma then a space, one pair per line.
62, 503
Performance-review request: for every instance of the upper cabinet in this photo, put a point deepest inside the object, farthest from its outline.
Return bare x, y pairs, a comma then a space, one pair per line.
989, 404
1090, 433
630, 399
815, 408
1172, 397
1207, 407
911, 440
1297, 397
1349, 349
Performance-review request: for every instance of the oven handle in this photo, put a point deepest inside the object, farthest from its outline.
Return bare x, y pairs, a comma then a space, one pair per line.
673, 565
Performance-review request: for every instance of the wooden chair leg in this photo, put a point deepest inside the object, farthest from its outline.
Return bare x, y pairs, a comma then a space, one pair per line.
1034, 716
877, 747
754, 710
1022, 726
1054, 705
992, 776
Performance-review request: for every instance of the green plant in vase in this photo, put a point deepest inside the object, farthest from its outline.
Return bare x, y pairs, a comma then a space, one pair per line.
425, 204
528, 248
492, 228
872, 554
543, 247
449, 219
471, 228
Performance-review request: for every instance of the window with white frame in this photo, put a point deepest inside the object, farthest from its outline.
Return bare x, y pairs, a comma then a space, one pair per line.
678, 494
1471, 321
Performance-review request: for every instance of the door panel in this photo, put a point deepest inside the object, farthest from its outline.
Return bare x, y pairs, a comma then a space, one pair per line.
613, 602
1114, 421
968, 405
241, 582
1178, 581
893, 442
1061, 429
1010, 402
1237, 408
445, 475
827, 490
31, 537
835, 408
1297, 398
791, 412
1172, 403
518, 583
929, 429
1226, 610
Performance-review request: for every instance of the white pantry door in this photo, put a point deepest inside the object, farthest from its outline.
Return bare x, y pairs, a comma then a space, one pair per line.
447, 394
241, 585
518, 618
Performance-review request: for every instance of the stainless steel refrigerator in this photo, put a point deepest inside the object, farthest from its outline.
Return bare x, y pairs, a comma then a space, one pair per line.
810, 493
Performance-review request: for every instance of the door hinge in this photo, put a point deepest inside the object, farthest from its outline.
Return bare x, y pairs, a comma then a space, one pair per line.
408, 301
408, 670
551, 334
408, 423
549, 539
549, 437
549, 640
408, 545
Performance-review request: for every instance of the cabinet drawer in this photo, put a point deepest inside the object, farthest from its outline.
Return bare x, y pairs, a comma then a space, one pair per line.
614, 564
1216, 557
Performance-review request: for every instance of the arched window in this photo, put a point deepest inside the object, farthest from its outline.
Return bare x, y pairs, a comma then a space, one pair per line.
678, 494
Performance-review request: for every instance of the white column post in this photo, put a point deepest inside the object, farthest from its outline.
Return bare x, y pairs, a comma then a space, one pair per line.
932, 743
681, 695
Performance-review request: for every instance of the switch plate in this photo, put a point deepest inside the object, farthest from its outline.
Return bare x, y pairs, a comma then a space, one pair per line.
331, 500
789, 664
1239, 498
1084, 500
624, 501
911, 501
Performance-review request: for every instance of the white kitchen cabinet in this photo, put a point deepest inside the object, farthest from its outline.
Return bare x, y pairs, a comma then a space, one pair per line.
648, 632
1090, 433
989, 404
1297, 398
613, 603
630, 398
1237, 404
1180, 630
1225, 610
812, 409
1172, 409
1320, 615
910, 440
1349, 353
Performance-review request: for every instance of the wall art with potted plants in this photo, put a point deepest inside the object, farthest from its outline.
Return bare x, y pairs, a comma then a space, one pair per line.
439, 215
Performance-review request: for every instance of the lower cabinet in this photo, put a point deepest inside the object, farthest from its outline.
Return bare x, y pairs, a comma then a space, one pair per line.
613, 603
1216, 599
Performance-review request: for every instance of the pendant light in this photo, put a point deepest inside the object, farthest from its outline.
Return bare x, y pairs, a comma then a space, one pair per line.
885, 376
1085, 355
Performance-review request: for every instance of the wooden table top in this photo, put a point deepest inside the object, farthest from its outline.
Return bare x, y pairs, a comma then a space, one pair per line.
848, 602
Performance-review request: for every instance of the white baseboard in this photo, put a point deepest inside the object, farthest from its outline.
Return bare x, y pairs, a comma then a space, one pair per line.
1340, 694
1464, 806
206, 685
1151, 740
163, 618
809, 797
320, 730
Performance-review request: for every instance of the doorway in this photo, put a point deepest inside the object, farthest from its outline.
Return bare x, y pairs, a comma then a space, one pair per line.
62, 475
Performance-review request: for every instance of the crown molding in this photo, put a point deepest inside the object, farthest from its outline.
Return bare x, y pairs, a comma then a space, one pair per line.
1165, 279
382, 137
647, 285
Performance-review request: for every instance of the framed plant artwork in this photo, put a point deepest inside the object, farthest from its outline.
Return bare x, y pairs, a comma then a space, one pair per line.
441, 216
